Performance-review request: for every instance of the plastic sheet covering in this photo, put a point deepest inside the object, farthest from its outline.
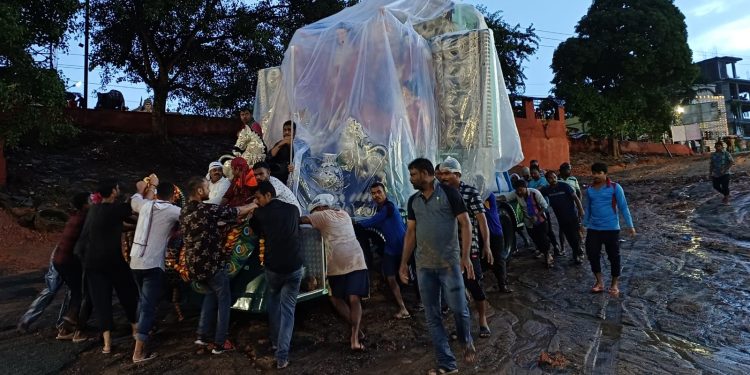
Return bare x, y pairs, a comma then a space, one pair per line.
381, 83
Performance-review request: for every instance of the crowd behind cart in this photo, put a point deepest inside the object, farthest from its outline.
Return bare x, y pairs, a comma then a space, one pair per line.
451, 234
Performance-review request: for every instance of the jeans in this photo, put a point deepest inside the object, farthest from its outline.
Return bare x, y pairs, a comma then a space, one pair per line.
282, 292
150, 287
53, 282
217, 301
501, 256
448, 283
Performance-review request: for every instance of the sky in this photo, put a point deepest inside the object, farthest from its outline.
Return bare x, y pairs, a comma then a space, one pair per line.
715, 28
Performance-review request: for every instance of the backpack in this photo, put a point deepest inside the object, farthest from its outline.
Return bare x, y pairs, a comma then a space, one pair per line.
613, 185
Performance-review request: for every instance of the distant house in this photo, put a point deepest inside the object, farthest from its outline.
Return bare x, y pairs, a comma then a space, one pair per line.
722, 72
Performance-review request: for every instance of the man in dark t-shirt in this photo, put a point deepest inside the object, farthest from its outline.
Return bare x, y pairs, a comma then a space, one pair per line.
568, 210
435, 213
279, 223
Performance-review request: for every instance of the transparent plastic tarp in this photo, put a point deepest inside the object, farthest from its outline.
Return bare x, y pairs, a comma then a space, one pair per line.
381, 83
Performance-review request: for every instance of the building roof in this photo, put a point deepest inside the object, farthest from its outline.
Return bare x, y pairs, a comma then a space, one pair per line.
722, 59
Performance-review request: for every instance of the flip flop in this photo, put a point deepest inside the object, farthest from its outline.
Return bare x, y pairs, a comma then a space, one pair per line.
401, 316
597, 289
144, 359
441, 371
484, 331
614, 292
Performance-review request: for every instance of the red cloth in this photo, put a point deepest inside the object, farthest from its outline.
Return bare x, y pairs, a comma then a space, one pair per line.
243, 184
71, 232
257, 129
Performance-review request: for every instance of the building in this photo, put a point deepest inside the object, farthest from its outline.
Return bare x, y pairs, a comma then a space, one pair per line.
722, 72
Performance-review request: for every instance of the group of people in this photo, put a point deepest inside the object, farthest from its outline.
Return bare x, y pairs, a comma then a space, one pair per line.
536, 191
450, 229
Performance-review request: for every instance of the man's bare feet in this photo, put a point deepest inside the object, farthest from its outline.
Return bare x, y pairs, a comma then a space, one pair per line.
470, 354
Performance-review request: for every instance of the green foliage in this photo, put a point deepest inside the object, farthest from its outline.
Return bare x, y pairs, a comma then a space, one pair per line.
204, 53
514, 46
31, 96
627, 68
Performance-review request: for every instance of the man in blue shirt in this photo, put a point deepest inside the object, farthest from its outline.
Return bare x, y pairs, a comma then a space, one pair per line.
604, 199
568, 210
388, 221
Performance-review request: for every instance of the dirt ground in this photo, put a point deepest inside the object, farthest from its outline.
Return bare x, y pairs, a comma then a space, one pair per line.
683, 309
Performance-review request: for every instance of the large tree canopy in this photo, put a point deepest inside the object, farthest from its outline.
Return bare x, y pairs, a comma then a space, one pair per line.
627, 68
514, 46
31, 95
204, 53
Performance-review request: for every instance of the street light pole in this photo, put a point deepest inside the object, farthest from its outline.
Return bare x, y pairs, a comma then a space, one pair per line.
86, 56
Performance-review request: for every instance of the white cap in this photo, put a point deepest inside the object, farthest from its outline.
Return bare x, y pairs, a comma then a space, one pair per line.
320, 201
451, 165
214, 164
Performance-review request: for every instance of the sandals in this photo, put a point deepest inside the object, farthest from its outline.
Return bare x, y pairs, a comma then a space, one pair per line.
144, 359
440, 371
614, 292
401, 315
359, 349
484, 332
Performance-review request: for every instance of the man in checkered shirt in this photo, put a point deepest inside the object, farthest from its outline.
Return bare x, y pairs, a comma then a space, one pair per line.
450, 174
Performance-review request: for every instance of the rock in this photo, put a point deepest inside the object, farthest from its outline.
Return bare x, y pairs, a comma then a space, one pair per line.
50, 220
6, 201
24, 216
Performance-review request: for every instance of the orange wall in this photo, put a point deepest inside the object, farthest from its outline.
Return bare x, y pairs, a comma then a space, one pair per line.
551, 147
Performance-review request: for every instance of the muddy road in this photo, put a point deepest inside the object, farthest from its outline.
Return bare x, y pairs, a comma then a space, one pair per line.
684, 307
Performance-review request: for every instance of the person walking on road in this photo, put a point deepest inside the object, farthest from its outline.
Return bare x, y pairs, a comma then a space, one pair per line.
451, 176
435, 214
568, 210
721, 163
604, 200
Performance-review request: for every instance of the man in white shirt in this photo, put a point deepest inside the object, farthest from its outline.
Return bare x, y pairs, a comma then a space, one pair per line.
262, 171
217, 183
157, 217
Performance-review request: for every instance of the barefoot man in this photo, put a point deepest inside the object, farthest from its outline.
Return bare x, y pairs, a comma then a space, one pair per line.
436, 212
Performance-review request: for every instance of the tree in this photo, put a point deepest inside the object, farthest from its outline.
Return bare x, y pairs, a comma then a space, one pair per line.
205, 53
626, 69
514, 46
31, 95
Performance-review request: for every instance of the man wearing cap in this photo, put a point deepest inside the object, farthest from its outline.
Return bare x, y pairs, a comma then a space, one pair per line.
217, 183
347, 271
435, 214
243, 184
451, 176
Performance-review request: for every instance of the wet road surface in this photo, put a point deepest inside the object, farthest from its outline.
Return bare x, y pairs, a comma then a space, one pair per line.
684, 309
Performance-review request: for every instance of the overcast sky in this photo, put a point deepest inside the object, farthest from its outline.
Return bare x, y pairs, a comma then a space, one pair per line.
715, 28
